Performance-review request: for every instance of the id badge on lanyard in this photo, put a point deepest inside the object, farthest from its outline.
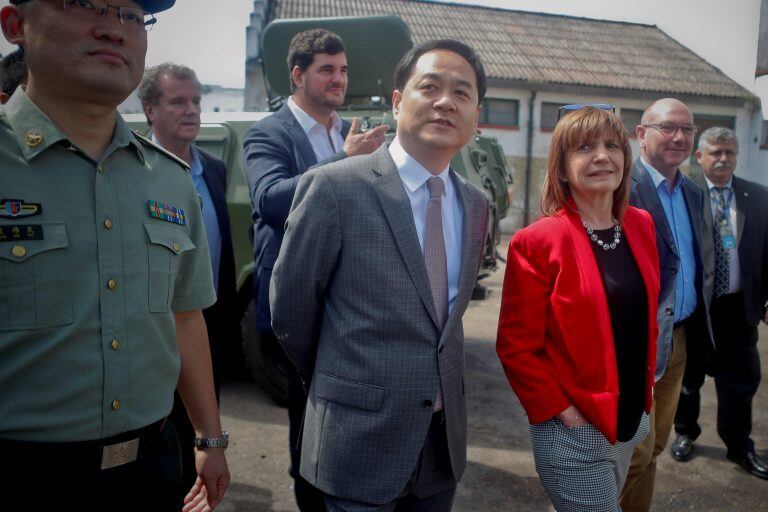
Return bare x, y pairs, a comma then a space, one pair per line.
724, 227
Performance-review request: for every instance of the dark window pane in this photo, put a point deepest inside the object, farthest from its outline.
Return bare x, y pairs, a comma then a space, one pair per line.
764, 136
499, 112
549, 115
631, 118
704, 121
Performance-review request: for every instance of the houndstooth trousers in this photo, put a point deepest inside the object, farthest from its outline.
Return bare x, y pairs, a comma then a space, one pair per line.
579, 469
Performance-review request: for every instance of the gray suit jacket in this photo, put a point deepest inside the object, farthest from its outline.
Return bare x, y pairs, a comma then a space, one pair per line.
352, 307
752, 238
643, 195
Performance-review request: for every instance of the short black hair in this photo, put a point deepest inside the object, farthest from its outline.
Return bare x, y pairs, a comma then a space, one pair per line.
305, 45
13, 71
404, 68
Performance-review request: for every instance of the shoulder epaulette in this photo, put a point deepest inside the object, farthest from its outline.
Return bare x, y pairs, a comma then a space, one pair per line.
148, 142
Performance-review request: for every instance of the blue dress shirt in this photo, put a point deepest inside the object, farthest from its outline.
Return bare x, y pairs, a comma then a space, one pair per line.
210, 219
679, 221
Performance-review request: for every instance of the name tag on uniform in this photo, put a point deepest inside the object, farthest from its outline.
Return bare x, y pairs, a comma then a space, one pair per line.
17, 232
729, 242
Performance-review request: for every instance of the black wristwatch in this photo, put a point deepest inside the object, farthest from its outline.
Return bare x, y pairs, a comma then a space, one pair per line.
213, 442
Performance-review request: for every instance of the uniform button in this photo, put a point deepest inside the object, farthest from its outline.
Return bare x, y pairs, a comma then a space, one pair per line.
440, 350
176, 247
427, 403
100, 168
674, 271
19, 251
669, 312
107, 223
115, 405
115, 344
112, 284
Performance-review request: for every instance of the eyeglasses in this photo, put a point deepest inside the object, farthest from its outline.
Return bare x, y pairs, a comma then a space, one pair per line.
669, 130
132, 17
567, 109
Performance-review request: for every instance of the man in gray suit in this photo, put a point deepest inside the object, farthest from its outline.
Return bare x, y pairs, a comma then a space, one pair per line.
379, 260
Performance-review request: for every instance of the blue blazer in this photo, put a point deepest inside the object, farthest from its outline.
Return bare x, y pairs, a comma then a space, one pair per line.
215, 177
643, 195
276, 152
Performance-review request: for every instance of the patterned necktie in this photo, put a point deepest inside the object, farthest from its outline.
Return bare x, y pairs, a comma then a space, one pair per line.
435, 260
722, 255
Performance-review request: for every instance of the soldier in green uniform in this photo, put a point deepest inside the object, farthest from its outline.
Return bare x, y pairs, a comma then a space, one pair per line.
104, 271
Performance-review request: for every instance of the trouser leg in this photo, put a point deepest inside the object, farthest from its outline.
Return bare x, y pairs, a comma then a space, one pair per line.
689, 404
638, 489
737, 380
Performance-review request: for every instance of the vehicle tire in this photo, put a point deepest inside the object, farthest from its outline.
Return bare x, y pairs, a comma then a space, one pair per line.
265, 359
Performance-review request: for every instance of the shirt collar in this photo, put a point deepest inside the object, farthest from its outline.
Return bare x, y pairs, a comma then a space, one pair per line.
413, 174
711, 185
196, 167
659, 178
308, 122
35, 132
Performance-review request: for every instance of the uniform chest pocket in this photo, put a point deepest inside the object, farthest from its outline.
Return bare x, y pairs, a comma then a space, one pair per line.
35, 279
167, 243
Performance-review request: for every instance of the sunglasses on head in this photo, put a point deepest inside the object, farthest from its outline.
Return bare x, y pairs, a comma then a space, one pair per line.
567, 109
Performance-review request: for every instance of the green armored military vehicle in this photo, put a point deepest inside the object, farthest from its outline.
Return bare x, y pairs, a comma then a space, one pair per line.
373, 45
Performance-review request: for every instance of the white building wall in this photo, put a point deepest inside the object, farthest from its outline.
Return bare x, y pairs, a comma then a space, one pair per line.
753, 163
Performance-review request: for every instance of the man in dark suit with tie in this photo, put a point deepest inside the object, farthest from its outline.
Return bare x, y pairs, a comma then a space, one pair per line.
380, 257
304, 132
666, 135
170, 95
736, 217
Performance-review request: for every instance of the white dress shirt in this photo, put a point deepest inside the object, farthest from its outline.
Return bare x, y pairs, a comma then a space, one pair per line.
734, 270
325, 143
414, 177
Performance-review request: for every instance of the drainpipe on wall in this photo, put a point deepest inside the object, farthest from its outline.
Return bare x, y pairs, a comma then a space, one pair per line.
528, 162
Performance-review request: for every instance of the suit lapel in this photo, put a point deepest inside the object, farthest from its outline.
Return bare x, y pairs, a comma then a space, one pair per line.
693, 203
397, 210
467, 267
306, 155
592, 283
644, 263
218, 196
648, 199
706, 211
742, 207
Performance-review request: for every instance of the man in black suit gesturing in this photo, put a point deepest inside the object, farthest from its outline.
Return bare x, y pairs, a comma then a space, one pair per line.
170, 95
736, 216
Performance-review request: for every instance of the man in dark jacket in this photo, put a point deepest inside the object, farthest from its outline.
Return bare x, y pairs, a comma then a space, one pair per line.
303, 133
736, 217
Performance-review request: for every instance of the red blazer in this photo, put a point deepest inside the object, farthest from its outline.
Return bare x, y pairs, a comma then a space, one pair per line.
555, 339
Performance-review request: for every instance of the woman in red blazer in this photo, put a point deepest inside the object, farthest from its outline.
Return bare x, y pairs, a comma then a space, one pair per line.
577, 328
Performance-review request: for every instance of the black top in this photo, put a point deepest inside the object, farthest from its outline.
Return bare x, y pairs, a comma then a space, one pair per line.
628, 309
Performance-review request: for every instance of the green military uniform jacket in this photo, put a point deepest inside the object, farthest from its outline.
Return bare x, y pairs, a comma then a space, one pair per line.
94, 259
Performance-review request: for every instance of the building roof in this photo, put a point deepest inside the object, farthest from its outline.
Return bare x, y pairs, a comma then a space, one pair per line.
545, 48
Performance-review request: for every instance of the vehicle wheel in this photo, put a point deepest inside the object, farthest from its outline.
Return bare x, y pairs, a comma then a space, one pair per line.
265, 359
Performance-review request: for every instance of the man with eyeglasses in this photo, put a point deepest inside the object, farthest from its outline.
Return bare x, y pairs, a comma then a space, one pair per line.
666, 136
104, 271
736, 216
